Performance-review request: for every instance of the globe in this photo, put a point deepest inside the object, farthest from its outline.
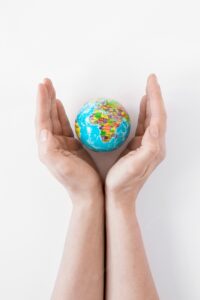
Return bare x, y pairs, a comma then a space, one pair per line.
102, 125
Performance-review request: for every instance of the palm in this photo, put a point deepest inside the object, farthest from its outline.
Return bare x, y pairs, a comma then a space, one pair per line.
66, 156
131, 151
134, 164
70, 147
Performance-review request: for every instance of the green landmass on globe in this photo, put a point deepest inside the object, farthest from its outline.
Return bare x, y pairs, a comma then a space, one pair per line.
108, 115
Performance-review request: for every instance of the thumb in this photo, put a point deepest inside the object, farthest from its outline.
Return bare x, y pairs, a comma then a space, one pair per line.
44, 143
151, 136
43, 137
150, 144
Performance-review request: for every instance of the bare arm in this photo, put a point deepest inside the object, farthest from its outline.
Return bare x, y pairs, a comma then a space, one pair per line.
129, 276
80, 274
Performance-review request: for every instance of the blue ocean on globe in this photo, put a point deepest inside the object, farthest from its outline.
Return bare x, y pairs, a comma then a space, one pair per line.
102, 125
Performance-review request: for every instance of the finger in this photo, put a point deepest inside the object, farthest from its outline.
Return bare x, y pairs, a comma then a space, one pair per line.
142, 116
148, 114
43, 108
157, 108
46, 150
65, 125
150, 147
153, 145
144, 159
57, 129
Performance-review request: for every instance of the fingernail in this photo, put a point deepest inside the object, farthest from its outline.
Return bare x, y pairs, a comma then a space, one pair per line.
154, 131
43, 135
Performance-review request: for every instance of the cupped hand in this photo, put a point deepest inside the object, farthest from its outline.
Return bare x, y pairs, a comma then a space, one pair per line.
64, 155
145, 151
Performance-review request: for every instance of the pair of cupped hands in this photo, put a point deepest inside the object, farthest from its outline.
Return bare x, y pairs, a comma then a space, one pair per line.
72, 165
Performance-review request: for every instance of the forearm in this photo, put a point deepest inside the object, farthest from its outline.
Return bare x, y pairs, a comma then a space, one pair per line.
129, 276
81, 270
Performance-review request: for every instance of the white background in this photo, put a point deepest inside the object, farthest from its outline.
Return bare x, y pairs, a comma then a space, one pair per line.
91, 49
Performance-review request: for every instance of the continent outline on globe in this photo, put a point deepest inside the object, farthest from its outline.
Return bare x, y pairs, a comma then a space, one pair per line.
111, 120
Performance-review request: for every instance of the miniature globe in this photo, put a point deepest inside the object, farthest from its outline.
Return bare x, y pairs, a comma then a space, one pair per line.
102, 125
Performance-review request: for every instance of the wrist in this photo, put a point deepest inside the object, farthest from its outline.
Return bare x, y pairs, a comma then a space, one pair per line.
122, 208
121, 197
93, 197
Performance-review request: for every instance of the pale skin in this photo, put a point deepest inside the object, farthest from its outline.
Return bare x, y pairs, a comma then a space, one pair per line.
81, 272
